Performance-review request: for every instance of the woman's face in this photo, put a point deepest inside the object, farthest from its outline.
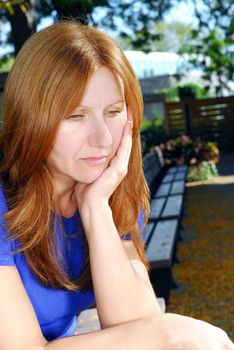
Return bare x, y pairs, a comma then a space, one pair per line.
93, 130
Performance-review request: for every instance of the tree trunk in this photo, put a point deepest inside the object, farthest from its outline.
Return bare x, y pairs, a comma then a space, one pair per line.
23, 25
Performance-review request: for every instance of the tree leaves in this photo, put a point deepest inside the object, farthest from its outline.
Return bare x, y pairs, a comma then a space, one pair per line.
9, 6
213, 39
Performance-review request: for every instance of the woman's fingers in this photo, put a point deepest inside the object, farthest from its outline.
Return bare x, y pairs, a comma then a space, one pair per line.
109, 180
124, 149
129, 114
192, 334
121, 159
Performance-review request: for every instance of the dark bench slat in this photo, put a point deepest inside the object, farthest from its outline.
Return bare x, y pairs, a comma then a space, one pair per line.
156, 207
173, 207
161, 246
165, 215
147, 231
148, 177
152, 168
163, 190
177, 187
151, 174
146, 164
153, 160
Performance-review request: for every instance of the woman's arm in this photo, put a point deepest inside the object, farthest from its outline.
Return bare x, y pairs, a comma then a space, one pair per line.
135, 335
19, 328
161, 332
120, 294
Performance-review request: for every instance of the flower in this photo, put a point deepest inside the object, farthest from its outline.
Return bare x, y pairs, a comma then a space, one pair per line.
201, 156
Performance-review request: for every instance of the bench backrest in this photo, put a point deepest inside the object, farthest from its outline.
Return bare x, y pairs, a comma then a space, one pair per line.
152, 167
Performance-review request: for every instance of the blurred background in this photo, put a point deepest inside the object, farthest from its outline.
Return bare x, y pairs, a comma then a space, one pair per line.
182, 52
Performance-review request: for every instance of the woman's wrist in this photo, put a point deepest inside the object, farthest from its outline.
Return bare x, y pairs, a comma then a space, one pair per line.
94, 212
166, 336
94, 206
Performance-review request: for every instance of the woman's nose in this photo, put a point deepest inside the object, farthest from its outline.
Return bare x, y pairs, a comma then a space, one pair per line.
100, 135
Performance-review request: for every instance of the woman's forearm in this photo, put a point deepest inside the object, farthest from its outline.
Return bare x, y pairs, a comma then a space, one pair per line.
136, 335
121, 296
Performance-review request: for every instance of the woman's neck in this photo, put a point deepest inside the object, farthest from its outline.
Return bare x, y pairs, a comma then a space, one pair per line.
65, 201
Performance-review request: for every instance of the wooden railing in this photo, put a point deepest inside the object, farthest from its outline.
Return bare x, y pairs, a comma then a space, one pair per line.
213, 119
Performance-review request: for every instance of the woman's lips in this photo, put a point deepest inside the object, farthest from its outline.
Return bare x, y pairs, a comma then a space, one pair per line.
95, 160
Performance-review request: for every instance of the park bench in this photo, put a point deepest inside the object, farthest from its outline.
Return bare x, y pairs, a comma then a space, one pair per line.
161, 233
160, 251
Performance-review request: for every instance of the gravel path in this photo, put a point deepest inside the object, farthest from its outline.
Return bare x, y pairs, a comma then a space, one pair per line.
206, 272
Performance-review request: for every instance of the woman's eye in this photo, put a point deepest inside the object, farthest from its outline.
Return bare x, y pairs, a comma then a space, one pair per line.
113, 112
76, 116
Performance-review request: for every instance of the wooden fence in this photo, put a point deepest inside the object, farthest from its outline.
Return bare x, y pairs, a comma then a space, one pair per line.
212, 119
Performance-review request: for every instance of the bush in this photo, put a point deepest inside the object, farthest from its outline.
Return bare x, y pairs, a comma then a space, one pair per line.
191, 90
201, 156
204, 171
179, 92
184, 150
152, 132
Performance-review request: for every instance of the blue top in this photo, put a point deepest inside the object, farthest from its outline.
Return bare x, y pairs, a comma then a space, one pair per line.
56, 310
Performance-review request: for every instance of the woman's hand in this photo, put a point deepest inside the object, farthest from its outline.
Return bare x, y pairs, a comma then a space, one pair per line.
100, 190
186, 333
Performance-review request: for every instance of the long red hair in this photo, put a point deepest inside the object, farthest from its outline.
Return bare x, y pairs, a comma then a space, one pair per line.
46, 83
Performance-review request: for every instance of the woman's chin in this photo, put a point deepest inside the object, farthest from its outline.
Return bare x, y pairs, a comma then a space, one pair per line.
89, 178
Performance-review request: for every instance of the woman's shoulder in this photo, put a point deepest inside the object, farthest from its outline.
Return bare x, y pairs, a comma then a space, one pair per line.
6, 257
3, 202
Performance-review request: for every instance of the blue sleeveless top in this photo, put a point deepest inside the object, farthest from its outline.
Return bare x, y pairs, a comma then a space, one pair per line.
56, 310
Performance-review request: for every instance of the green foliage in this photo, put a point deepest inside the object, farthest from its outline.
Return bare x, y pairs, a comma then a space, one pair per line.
171, 36
9, 6
6, 63
204, 171
132, 20
172, 94
185, 150
156, 122
211, 43
152, 133
146, 124
191, 90
200, 156
138, 20
199, 92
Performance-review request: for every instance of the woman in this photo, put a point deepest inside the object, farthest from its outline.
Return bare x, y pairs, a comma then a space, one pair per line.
72, 188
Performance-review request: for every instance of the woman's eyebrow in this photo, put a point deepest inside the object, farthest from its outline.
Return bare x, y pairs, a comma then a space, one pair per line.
115, 103
81, 106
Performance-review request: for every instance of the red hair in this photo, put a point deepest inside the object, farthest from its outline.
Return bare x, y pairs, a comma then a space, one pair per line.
46, 83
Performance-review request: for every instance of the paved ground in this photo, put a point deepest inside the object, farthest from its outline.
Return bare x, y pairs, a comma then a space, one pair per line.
205, 274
